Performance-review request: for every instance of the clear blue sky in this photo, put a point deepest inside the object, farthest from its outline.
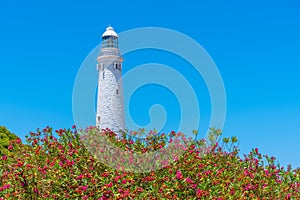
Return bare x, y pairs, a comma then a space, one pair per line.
255, 45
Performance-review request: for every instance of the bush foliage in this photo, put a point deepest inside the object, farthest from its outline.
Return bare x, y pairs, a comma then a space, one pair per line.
5, 137
63, 167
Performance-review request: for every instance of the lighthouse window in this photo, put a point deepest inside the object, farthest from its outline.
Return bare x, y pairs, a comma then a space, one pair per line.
100, 66
117, 91
117, 66
103, 75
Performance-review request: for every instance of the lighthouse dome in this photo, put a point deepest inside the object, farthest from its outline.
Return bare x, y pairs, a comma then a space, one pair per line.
109, 32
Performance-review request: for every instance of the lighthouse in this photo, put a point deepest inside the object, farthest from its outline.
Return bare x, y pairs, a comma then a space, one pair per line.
110, 101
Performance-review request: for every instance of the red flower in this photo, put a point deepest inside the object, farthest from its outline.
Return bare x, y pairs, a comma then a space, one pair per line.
109, 185
70, 163
20, 164
199, 193
124, 181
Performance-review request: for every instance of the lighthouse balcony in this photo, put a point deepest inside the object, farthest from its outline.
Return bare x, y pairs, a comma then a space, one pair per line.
110, 52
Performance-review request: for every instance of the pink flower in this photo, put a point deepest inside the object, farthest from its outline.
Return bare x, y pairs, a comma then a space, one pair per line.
199, 193
207, 172
110, 184
179, 175
20, 164
70, 163
267, 172
80, 176
124, 181
84, 188
6, 186
188, 180
10, 147
126, 192
264, 186
35, 190
4, 157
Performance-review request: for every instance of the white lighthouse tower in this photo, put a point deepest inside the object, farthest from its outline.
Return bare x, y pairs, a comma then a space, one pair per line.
110, 103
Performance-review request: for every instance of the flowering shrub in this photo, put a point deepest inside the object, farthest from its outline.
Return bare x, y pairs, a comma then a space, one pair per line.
5, 137
66, 167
